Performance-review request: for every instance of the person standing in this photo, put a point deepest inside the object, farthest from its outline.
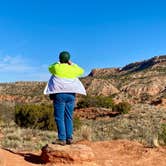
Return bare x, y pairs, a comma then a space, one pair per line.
62, 88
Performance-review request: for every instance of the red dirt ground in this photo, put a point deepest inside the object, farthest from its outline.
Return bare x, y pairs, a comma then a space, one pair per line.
107, 153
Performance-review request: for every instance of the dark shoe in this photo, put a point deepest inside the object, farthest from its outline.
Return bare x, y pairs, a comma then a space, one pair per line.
69, 141
59, 142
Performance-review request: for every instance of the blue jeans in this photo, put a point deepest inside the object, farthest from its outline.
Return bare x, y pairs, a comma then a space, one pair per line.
63, 114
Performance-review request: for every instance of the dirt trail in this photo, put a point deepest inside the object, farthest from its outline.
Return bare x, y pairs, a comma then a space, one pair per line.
127, 153
107, 153
9, 158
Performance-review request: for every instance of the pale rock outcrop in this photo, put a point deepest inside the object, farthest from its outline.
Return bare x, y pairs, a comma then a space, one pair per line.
75, 155
102, 87
104, 72
152, 86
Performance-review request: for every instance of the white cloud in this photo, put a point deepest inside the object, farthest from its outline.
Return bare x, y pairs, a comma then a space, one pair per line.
21, 69
14, 64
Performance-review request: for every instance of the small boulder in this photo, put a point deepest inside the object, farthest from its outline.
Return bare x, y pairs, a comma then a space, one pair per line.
76, 154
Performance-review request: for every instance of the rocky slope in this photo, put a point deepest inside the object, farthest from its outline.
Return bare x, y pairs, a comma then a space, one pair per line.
22, 92
136, 82
139, 82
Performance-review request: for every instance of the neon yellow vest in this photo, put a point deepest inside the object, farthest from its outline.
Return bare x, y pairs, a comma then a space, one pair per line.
64, 70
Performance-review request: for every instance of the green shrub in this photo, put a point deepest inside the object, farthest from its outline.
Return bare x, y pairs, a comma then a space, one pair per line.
77, 123
145, 97
38, 117
162, 135
35, 116
93, 101
122, 107
6, 112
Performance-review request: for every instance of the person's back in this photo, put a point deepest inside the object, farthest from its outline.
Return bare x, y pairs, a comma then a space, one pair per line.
64, 77
66, 70
63, 85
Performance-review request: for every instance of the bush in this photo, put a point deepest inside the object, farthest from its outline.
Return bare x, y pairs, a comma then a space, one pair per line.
162, 135
38, 117
145, 97
6, 112
77, 123
93, 101
122, 107
35, 116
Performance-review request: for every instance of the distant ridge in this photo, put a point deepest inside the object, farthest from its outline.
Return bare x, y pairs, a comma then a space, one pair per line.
137, 82
138, 66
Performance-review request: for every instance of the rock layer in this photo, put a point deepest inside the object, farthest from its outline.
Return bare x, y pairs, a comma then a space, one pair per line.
69, 154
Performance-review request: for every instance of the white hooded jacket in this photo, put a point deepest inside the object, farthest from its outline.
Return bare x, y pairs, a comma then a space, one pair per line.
64, 85
64, 79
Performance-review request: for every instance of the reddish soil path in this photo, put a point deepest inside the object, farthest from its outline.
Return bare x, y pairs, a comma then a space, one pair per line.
9, 158
107, 153
127, 153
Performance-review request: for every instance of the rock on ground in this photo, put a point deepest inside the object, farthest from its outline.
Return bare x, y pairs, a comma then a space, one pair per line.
76, 154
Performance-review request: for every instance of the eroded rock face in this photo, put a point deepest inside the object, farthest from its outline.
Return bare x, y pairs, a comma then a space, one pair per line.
138, 82
101, 87
151, 86
105, 72
75, 154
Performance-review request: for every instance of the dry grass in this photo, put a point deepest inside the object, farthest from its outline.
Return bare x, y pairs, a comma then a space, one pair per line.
26, 139
143, 125
155, 141
16, 138
84, 133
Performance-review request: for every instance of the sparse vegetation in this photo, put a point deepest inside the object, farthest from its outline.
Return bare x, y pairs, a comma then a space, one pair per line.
141, 125
26, 139
122, 108
38, 117
95, 101
162, 134
77, 123
35, 116
138, 86
86, 132
6, 112
16, 138
145, 97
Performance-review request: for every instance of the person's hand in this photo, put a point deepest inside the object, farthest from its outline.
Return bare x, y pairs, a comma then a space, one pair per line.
70, 62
